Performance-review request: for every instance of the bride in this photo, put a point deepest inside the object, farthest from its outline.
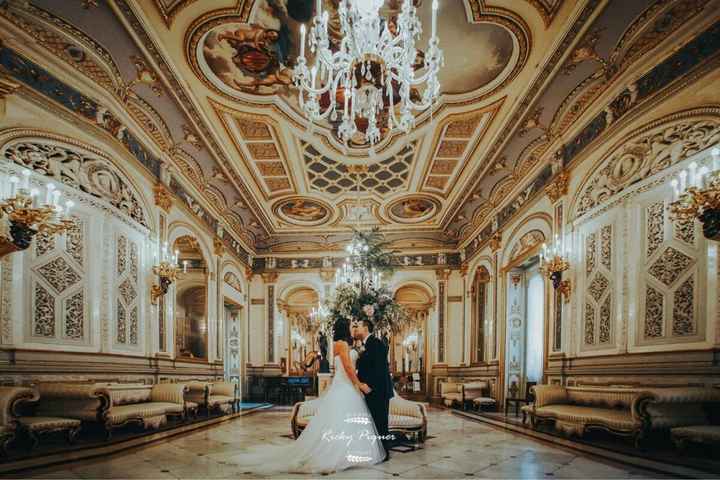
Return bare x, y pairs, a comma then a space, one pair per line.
341, 434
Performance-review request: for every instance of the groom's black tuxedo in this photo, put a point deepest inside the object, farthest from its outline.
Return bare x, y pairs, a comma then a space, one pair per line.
373, 370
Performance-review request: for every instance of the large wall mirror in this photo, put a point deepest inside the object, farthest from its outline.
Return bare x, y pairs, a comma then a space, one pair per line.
408, 355
303, 341
191, 302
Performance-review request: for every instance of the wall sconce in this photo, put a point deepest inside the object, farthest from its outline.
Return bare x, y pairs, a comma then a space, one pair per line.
696, 195
553, 262
22, 216
168, 270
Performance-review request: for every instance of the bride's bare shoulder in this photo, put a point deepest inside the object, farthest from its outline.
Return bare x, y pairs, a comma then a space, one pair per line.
340, 345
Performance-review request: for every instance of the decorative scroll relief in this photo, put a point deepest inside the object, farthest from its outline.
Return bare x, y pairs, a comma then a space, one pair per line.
669, 279
650, 152
58, 286
79, 169
599, 291
126, 291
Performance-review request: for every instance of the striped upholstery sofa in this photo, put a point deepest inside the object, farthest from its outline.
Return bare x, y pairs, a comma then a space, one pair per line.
621, 411
406, 417
148, 405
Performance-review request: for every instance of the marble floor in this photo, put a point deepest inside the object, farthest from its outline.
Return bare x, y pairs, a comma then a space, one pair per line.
459, 448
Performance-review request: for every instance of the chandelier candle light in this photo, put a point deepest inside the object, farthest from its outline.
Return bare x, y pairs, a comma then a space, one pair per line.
696, 194
553, 262
22, 215
371, 70
168, 270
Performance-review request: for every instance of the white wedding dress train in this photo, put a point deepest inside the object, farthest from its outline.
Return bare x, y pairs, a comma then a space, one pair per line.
340, 435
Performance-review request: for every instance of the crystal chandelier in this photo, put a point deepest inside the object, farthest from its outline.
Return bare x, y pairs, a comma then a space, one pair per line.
370, 71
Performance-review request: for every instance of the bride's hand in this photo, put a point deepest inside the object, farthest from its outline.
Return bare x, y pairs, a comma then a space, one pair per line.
364, 388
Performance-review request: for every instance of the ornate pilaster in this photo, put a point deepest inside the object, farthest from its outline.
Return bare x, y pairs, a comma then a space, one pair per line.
442, 276
270, 279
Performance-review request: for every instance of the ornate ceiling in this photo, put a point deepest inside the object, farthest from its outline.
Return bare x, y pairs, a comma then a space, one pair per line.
209, 83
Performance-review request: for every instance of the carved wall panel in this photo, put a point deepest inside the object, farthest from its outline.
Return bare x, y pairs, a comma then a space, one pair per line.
58, 286
78, 168
598, 287
669, 275
126, 306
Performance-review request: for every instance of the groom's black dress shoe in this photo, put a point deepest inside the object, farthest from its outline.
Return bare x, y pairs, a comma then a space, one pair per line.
387, 457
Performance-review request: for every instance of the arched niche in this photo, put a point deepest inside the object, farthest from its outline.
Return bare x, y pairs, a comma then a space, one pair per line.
297, 304
410, 348
191, 300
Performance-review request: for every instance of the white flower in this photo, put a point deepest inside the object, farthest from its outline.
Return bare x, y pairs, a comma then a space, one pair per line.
369, 310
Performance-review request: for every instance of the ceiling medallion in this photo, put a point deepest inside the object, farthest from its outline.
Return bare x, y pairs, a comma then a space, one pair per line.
413, 209
302, 211
371, 74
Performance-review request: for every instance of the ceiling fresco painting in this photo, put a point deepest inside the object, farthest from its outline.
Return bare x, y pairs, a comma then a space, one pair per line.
202, 92
302, 211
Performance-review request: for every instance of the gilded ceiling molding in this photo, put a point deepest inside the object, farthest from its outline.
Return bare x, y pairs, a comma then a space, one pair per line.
547, 9
169, 12
65, 41
94, 61
650, 28
515, 121
182, 97
690, 62
508, 20
268, 158
455, 143
482, 13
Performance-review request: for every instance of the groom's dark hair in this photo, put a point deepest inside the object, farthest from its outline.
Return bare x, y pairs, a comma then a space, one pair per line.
370, 326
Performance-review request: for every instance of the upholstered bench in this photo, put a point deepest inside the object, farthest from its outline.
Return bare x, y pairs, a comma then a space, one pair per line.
10, 399
406, 417
577, 409
33, 427
197, 395
223, 396
451, 393
477, 395
148, 405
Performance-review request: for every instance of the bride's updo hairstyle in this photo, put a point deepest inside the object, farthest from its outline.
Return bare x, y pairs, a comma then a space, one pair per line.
341, 331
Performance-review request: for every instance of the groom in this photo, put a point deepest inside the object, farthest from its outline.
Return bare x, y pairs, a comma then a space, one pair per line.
373, 370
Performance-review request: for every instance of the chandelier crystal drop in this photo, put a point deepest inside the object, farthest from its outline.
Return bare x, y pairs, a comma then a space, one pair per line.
372, 72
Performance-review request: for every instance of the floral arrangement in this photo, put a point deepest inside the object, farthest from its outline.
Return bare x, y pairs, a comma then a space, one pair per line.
364, 300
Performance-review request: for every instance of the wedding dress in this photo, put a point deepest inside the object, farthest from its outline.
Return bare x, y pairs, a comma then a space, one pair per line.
340, 435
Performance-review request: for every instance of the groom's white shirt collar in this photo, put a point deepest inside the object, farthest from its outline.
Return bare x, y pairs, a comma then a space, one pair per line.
365, 338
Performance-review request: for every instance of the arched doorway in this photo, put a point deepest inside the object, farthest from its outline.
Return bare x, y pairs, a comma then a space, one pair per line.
191, 302
526, 308
409, 352
302, 347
